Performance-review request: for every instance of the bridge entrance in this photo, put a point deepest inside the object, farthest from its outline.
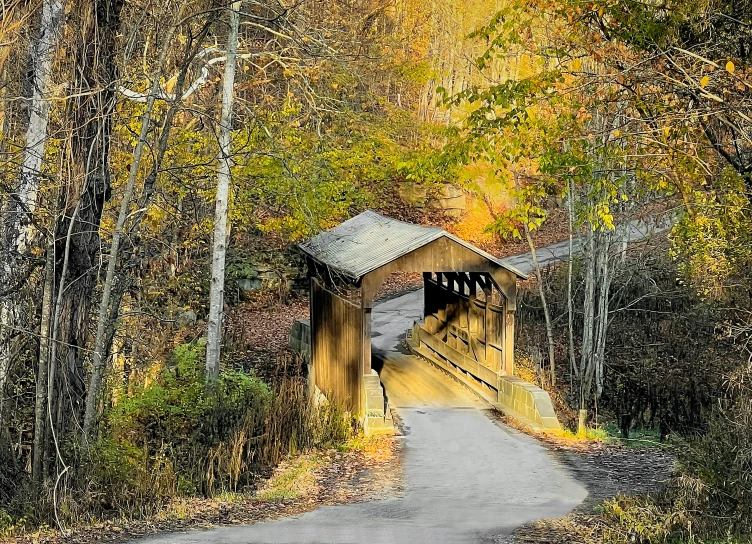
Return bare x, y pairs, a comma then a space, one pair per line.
469, 304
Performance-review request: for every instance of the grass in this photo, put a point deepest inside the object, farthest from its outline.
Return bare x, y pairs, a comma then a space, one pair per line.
367, 444
591, 435
637, 437
611, 434
230, 497
293, 479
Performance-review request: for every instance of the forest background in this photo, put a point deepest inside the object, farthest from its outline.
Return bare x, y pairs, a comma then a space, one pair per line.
161, 159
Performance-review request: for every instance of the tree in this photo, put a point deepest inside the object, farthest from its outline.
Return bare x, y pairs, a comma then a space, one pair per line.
562, 124
90, 113
18, 214
219, 248
99, 358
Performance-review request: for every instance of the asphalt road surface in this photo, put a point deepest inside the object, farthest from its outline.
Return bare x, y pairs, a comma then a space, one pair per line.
467, 478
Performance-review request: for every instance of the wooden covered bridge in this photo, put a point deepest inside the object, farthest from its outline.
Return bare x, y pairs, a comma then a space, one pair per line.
468, 317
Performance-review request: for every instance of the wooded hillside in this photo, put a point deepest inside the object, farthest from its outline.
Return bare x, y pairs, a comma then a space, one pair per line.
160, 160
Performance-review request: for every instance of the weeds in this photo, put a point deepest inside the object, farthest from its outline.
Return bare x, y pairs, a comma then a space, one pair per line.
172, 439
709, 499
292, 480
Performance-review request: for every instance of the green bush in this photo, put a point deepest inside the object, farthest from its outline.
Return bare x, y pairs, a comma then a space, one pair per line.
177, 423
178, 437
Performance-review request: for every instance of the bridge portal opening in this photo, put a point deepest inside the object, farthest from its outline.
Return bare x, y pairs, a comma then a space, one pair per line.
469, 299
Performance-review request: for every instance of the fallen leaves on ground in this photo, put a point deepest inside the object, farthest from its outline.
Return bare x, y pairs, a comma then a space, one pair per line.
606, 469
365, 470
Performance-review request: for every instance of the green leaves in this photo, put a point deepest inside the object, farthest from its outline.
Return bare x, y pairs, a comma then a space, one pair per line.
714, 242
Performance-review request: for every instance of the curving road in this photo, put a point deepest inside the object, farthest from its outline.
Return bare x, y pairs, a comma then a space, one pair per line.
467, 478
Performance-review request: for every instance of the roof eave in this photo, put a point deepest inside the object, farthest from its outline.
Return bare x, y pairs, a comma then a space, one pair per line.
347, 273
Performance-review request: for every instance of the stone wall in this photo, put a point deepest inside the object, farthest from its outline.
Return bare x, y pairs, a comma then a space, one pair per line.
300, 339
448, 198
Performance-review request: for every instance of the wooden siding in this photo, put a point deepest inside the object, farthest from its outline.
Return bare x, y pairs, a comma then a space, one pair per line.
465, 325
336, 334
445, 255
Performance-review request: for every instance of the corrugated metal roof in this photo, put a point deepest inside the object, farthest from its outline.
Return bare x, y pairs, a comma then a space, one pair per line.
370, 240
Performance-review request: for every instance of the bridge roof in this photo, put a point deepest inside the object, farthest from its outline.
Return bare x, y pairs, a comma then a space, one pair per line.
370, 240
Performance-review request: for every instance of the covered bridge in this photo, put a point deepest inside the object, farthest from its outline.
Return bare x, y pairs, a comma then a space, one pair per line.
469, 305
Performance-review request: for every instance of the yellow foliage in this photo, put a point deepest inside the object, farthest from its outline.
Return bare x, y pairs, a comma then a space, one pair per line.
472, 226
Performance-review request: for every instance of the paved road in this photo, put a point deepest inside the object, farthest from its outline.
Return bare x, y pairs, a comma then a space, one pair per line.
630, 232
467, 478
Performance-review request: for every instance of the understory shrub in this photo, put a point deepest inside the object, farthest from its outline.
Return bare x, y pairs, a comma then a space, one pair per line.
177, 436
179, 424
709, 499
666, 358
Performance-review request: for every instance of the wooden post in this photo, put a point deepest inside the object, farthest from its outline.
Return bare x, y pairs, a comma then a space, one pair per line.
441, 299
472, 290
313, 321
487, 325
368, 289
463, 305
508, 342
428, 295
367, 310
453, 316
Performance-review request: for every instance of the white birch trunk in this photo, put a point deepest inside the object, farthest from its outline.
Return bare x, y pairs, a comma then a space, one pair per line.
601, 323
40, 405
587, 318
39, 116
573, 370
15, 237
219, 248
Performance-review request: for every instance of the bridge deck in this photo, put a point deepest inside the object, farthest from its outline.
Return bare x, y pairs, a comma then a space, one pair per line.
411, 382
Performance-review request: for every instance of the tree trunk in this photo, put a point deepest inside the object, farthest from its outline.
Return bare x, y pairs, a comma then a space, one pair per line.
570, 311
544, 303
587, 319
97, 25
219, 248
39, 117
40, 405
98, 359
52, 398
542, 294
602, 318
131, 240
15, 220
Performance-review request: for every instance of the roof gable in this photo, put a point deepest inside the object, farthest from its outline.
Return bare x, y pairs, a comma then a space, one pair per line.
370, 240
